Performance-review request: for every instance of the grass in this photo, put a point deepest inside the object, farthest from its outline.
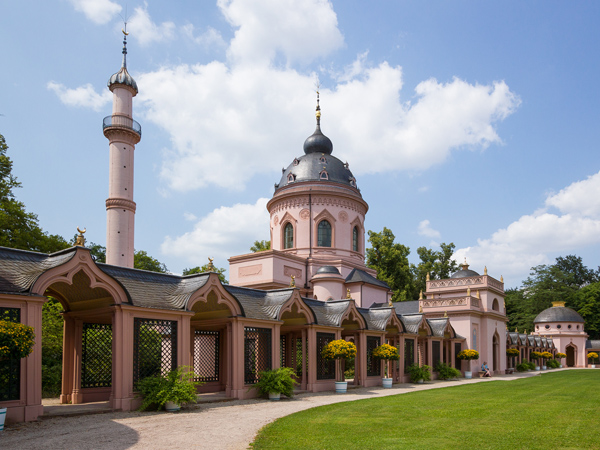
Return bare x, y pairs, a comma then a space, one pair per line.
551, 411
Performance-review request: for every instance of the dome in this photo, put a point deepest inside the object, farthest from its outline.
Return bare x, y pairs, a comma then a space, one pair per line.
318, 143
558, 313
328, 269
317, 167
123, 77
464, 272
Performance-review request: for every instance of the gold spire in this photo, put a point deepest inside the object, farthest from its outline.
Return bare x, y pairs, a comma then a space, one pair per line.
318, 109
516, 329
211, 266
501, 279
485, 270
420, 308
464, 266
559, 304
348, 296
468, 292
80, 240
292, 281
421, 295
427, 277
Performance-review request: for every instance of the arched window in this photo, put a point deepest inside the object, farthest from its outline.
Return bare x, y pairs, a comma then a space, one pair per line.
324, 234
288, 236
355, 239
474, 339
495, 305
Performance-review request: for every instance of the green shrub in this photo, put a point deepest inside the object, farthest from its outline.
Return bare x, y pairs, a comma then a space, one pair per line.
419, 373
553, 364
446, 372
177, 386
523, 367
349, 374
278, 381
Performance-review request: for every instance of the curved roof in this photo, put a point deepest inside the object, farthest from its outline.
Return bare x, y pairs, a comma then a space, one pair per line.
328, 269
122, 76
317, 167
558, 314
464, 272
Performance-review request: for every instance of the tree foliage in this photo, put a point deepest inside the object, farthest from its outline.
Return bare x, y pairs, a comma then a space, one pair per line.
205, 268
142, 260
437, 263
260, 246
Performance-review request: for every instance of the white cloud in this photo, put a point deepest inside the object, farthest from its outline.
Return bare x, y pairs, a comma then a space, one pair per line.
220, 234
530, 240
84, 96
146, 31
98, 11
297, 30
426, 230
210, 39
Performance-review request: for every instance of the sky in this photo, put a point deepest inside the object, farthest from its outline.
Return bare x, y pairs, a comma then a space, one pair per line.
463, 121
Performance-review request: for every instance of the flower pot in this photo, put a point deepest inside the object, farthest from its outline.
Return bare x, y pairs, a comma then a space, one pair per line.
341, 387
387, 382
420, 381
172, 407
537, 367
593, 366
468, 374
544, 368
274, 395
560, 366
2, 418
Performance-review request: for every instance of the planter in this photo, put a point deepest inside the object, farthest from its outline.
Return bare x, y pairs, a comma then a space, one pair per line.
468, 374
2, 418
420, 381
172, 407
544, 368
274, 395
341, 387
537, 367
593, 366
387, 382
560, 366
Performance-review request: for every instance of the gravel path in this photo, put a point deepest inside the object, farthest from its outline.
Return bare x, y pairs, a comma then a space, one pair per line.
230, 425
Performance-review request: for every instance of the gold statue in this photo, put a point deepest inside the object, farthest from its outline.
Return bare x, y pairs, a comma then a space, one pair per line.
80, 240
485, 270
445, 313
292, 281
427, 277
421, 295
501, 279
420, 307
348, 293
211, 266
468, 292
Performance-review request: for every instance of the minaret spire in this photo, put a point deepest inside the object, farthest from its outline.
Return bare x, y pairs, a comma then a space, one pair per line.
318, 109
125, 34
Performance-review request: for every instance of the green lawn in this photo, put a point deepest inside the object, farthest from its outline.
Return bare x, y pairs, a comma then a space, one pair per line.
558, 410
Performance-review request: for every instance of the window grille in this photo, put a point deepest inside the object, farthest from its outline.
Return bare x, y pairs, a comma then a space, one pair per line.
373, 364
355, 239
282, 352
436, 353
96, 355
10, 369
457, 350
257, 353
154, 347
324, 234
206, 355
288, 236
325, 367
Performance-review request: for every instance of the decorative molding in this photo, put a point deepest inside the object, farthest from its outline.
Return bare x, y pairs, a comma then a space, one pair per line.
121, 203
432, 303
249, 271
292, 271
343, 216
276, 220
302, 201
305, 214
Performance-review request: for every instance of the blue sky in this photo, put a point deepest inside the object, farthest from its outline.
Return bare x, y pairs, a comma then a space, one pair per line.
468, 122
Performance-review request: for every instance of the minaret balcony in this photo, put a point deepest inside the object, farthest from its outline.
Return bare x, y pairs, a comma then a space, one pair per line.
118, 122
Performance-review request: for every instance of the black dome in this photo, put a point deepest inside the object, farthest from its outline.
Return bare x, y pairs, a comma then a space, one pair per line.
558, 314
318, 143
317, 167
464, 274
328, 269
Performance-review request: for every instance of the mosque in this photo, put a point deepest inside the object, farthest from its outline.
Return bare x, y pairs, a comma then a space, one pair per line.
282, 307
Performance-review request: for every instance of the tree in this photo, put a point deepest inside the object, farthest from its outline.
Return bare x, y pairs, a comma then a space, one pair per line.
588, 305
206, 268
18, 228
438, 264
391, 262
142, 260
260, 246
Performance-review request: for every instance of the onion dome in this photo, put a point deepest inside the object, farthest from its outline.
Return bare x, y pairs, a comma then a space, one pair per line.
464, 272
317, 163
328, 269
558, 313
122, 76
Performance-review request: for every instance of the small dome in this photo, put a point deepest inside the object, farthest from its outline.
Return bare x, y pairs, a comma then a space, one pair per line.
318, 143
123, 77
464, 272
558, 314
328, 269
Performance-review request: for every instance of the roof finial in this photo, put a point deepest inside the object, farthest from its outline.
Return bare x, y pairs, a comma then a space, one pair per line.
318, 109
125, 34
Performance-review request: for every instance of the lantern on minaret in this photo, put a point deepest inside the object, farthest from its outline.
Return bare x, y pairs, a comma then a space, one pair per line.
122, 133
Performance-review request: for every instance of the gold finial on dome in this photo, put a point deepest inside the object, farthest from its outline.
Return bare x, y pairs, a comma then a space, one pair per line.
80, 240
464, 265
318, 109
485, 270
558, 304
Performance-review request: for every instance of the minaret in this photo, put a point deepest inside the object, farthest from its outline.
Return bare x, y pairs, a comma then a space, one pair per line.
122, 133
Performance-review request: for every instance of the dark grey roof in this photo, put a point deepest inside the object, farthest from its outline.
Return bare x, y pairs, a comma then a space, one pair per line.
376, 318
318, 143
122, 76
411, 322
514, 337
155, 290
531, 340
464, 273
593, 344
438, 326
408, 307
328, 269
558, 314
360, 276
259, 304
19, 269
328, 313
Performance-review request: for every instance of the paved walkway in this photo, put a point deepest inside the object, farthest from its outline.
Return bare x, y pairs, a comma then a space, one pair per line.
230, 425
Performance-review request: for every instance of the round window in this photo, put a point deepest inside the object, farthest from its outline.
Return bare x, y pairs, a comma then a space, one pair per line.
547, 327
569, 327
559, 326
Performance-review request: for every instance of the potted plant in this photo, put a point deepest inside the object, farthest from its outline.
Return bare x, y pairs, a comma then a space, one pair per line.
512, 353
446, 371
386, 353
340, 350
276, 382
536, 356
545, 356
419, 374
592, 357
170, 390
16, 342
560, 356
468, 355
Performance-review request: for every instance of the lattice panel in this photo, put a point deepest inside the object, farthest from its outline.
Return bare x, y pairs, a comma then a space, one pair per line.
154, 347
325, 367
282, 351
457, 350
409, 353
10, 370
298, 356
206, 355
96, 355
435, 353
373, 365
257, 353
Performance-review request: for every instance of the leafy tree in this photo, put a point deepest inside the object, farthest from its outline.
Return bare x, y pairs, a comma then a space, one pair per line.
205, 268
390, 259
142, 260
439, 264
588, 305
260, 246
18, 228
52, 347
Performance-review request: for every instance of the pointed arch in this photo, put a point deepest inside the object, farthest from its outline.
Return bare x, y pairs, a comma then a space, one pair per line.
321, 218
215, 297
352, 320
394, 322
294, 306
